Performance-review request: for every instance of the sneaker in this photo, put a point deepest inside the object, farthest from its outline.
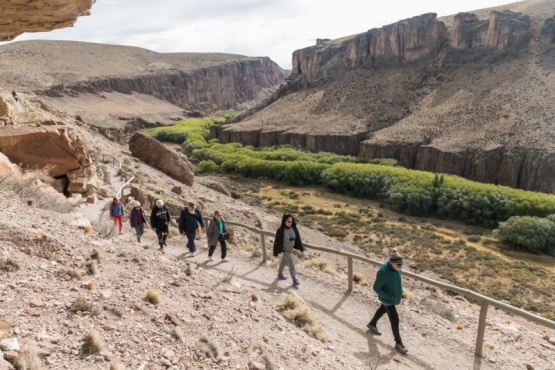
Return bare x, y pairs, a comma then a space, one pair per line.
210, 258
374, 329
281, 276
192, 254
296, 282
401, 348
225, 260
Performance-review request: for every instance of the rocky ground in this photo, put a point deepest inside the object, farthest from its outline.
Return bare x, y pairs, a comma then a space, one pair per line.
216, 315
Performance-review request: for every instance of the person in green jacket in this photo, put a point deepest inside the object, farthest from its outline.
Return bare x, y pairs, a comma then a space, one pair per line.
389, 289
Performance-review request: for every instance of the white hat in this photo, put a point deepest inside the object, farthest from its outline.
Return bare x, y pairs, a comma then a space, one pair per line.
159, 202
136, 204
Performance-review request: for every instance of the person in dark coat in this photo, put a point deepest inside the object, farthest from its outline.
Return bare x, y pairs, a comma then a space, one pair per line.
215, 234
160, 220
390, 291
287, 238
189, 221
137, 219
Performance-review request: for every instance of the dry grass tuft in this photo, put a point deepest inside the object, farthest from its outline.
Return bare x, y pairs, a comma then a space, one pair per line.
92, 267
92, 343
88, 229
116, 365
359, 278
95, 255
91, 285
294, 310
408, 295
81, 305
210, 347
8, 265
321, 264
188, 270
254, 297
174, 231
229, 275
3, 329
152, 297
114, 311
178, 334
28, 360
270, 364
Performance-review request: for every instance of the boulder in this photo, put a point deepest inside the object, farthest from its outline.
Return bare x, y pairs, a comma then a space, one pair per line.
7, 167
170, 162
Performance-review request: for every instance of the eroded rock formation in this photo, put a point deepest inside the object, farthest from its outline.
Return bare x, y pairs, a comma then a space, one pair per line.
473, 99
39, 16
166, 160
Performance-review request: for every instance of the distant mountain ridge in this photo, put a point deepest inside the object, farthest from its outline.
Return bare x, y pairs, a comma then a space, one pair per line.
123, 88
470, 95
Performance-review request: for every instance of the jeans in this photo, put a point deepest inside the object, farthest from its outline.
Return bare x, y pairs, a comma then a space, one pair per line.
287, 258
191, 241
393, 319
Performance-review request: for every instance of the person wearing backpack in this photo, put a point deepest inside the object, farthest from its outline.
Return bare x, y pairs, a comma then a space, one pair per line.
159, 220
137, 219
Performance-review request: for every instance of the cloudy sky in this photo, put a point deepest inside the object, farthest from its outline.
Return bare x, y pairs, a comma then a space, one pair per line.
273, 28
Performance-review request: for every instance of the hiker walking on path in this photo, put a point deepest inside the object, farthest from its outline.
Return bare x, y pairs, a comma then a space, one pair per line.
287, 238
116, 213
189, 221
159, 220
137, 219
15, 96
215, 233
389, 289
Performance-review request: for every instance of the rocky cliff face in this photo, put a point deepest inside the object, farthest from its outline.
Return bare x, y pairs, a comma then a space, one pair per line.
230, 85
471, 96
405, 41
39, 16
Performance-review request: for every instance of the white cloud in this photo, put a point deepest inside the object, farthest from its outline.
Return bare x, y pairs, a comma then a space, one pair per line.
273, 28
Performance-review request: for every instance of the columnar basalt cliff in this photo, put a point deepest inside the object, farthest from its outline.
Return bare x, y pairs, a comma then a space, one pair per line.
473, 98
39, 16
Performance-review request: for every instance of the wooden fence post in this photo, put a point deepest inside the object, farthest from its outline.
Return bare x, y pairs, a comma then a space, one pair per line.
263, 241
350, 272
481, 329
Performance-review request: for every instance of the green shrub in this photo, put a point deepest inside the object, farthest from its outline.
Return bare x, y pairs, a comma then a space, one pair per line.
531, 234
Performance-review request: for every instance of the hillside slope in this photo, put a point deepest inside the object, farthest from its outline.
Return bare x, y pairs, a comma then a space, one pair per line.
469, 95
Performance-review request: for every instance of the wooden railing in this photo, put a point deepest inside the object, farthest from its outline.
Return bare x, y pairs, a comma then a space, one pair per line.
117, 163
485, 301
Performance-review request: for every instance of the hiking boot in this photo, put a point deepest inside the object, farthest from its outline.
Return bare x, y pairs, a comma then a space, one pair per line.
281, 276
401, 348
296, 282
374, 329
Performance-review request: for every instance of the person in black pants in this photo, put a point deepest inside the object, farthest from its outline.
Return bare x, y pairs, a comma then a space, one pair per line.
189, 221
159, 220
390, 292
214, 234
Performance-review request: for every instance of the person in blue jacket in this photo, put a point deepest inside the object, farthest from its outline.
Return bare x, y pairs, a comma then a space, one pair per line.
189, 221
390, 291
116, 213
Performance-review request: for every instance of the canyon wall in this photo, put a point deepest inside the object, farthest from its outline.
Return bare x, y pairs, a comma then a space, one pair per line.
222, 87
454, 94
